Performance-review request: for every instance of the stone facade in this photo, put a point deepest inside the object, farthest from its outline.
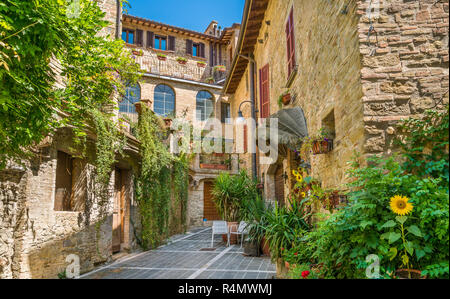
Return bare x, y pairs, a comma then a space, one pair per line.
406, 72
363, 86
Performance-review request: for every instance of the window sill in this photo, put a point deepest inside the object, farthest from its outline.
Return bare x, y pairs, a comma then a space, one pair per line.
161, 51
292, 77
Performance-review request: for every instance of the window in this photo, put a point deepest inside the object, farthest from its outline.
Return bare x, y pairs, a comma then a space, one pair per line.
164, 104
225, 113
195, 49
160, 42
132, 96
264, 91
70, 185
128, 36
290, 39
205, 105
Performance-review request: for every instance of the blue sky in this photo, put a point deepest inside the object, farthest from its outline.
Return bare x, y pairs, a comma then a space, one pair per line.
190, 14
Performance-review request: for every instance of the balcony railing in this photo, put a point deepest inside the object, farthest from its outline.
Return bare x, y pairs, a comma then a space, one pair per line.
169, 66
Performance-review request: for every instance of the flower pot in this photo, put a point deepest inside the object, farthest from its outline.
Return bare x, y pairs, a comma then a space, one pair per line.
265, 247
286, 99
409, 274
162, 58
201, 64
322, 146
233, 227
137, 53
214, 166
182, 62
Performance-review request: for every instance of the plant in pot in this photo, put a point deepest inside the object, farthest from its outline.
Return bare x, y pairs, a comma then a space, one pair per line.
229, 194
220, 68
319, 143
182, 60
209, 80
161, 56
255, 213
284, 99
201, 64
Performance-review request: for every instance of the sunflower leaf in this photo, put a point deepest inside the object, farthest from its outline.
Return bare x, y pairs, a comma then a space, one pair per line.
401, 219
390, 223
393, 237
415, 230
393, 253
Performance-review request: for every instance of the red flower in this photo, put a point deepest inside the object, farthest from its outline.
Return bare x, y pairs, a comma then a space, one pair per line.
282, 248
305, 274
296, 253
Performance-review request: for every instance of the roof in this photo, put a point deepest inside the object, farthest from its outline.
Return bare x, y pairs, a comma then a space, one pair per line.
254, 12
170, 28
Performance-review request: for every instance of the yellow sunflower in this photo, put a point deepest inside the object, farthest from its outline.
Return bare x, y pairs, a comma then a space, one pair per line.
400, 205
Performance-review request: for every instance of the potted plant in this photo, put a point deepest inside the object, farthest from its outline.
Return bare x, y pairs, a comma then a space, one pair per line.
138, 52
316, 144
201, 64
229, 194
209, 80
284, 99
182, 60
161, 56
220, 68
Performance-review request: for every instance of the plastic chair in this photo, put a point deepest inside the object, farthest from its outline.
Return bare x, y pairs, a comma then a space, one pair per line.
242, 230
219, 228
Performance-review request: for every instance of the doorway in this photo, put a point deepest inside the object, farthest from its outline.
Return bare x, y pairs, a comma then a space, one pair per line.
118, 236
209, 208
279, 186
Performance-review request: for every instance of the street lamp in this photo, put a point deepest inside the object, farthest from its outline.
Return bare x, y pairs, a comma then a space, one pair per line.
241, 120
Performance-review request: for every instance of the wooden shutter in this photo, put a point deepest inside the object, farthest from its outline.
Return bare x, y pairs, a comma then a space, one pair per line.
202, 50
139, 37
211, 54
264, 91
171, 43
150, 39
189, 44
290, 42
220, 54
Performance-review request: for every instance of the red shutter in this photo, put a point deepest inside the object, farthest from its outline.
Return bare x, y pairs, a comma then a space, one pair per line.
290, 42
171, 43
189, 44
264, 92
150, 39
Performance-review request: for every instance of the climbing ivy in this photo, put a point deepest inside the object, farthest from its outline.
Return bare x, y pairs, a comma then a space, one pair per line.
162, 177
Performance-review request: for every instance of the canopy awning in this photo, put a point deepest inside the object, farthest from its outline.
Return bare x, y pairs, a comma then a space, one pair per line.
292, 127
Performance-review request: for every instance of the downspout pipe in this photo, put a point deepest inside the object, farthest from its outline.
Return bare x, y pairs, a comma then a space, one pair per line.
118, 18
253, 106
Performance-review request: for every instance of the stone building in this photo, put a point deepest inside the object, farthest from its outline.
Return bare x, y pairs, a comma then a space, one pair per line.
184, 75
354, 67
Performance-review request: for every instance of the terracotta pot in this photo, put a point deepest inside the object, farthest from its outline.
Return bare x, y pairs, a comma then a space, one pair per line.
404, 274
265, 247
162, 58
182, 62
286, 99
201, 64
232, 227
137, 53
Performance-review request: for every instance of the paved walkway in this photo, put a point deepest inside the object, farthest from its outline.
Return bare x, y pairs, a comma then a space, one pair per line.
187, 257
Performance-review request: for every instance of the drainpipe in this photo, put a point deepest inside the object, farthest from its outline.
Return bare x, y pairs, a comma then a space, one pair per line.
253, 105
118, 18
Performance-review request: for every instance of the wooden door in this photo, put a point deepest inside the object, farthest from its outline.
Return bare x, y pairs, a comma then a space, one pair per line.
209, 208
279, 186
118, 214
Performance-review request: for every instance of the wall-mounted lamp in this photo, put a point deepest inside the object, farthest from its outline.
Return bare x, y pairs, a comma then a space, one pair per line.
268, 22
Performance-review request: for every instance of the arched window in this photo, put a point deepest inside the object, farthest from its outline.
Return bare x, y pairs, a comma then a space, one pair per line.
205, 105
132, 96
164, 104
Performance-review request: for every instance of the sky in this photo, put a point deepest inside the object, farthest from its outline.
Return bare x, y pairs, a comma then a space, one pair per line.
189, 14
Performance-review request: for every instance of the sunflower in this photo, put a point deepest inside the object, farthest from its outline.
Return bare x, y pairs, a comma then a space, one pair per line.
400, 205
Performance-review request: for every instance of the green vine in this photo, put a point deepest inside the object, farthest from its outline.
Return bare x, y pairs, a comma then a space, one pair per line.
159, 170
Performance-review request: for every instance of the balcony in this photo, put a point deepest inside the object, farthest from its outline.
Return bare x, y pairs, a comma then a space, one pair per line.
215, 163
192, 69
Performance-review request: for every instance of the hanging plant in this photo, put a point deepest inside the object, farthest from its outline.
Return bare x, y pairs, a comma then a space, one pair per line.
220, 68
161, 56
182, 60
284, 99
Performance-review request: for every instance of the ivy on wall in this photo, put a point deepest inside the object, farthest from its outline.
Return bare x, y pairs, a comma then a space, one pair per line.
162, 177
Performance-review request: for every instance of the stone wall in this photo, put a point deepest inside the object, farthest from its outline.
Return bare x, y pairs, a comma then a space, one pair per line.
406, 72
328, 78
35, 239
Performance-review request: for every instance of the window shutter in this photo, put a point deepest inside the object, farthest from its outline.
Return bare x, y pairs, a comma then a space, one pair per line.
139, 37
171, 43
150, 39
220, 55
202, 50
290, 42
211, 54
264, 91
189, 44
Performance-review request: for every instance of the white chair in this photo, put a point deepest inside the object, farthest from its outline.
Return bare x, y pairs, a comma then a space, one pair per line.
241, 230
219, 228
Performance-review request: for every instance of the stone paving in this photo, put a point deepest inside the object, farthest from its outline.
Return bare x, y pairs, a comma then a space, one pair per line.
183, 258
